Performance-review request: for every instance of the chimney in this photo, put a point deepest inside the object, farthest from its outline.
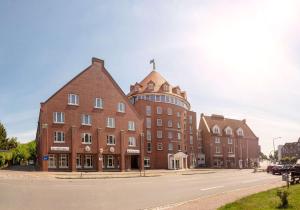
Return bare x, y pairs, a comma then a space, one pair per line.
244, 121
202, 115
97, 61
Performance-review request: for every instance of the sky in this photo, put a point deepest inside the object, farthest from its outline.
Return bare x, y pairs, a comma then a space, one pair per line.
235, 58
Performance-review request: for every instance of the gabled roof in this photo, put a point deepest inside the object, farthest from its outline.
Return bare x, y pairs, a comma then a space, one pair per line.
223, 123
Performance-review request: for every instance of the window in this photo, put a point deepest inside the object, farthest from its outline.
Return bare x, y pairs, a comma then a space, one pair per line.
131, 141
179, 136
159, 134
170, 123
121, 107
190, 119
110, 161
86, 138
73, 99
63, 161
240, 132
166, 87
218, 150
148, 110
230, 149
147, 162
178, 125
78, 161
158, 110
159, 122
150, 86
169, 111
110, 122
229, 140
99, 103
148, 122
216, 129
131, 126
170, 146
159, 146
157, 98
217, 140
170, 135
148, 146
59, 117
191, 129
228, 131
110, 140
178, 147
148, 132
86, 119
52, 161
178, 114
191, 139
88, 161
59, 137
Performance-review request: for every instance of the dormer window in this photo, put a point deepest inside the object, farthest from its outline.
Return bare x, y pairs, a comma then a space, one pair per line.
216, 130
151, 85
240, 132
228, 131
166, 87
178, 91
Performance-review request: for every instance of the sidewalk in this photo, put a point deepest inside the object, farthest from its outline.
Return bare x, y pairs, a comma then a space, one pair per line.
14, 174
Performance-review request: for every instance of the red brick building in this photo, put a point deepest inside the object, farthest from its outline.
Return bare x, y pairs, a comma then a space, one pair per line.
228, 143
169, 124
89, 125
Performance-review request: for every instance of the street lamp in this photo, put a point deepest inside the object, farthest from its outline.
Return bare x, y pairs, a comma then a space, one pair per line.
279, 137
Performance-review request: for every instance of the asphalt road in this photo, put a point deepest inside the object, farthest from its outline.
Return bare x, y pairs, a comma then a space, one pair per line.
122, 193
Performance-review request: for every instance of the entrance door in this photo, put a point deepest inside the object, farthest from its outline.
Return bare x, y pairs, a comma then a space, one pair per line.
134, 162
177, 164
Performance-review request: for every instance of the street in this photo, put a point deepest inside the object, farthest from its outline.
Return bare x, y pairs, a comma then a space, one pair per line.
123, 193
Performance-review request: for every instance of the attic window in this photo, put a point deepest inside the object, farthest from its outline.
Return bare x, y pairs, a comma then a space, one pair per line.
228, 131
151, 86
216, 129
178, 91
166, 87
240, 132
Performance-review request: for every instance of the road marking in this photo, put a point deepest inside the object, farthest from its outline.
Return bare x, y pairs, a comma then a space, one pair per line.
210, 188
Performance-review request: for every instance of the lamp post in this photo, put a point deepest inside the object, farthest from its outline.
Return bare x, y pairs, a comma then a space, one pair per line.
279, 137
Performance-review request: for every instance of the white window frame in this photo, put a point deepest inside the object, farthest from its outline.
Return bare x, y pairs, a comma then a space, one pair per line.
88, 157
148, 122
110, 122
63, 158
159, 122
216, 129
121, 107
170, 123
170, 134
78, 159
217, 140
191, 119
159, 146
169, 111
73, 99
149, 135
131, 125
59, 117
110, 159
191, 139
98, 103
178, 125
58, 134
240, 132
148, 110
86, 119
110, 140
178, 114
52, 161
147, 162
230, 141
179, 136
86, 138
218, 150
159, 134
230, 150
170, 147
159, 110
131, 141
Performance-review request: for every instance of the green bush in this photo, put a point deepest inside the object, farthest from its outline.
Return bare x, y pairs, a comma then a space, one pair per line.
283, 195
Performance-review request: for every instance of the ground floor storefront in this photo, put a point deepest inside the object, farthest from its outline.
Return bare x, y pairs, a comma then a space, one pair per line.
232, 162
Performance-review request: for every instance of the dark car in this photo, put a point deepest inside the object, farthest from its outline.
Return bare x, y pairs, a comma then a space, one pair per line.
277, 169
269, 168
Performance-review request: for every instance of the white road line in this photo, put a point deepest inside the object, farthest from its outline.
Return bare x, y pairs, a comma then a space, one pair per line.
210, 188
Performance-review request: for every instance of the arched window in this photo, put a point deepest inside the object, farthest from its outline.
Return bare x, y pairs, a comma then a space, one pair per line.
240, 132
228, 131
216, 129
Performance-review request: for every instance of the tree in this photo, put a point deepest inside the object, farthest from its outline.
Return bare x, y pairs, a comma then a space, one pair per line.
32, 149
262, 156
6, 143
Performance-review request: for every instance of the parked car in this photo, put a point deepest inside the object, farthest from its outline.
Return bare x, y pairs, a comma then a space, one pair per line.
277, 169
269, 168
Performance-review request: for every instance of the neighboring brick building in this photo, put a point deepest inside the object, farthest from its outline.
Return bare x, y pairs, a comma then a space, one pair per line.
228, 143
169, 125
89, 125
291, 149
